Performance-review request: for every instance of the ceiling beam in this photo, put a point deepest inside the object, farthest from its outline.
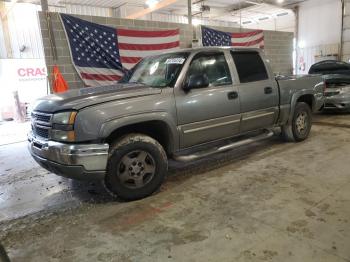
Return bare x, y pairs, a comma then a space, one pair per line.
146, 11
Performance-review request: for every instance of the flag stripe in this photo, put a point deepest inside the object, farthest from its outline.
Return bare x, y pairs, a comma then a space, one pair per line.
100, 77
139, 33
247, 39
247, 34
94, 70
147, 47
128, 65
251, 43
148, 40
142, 53
130, 59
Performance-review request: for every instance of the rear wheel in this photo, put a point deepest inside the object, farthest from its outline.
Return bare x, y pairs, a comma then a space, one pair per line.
137, 166
300, 127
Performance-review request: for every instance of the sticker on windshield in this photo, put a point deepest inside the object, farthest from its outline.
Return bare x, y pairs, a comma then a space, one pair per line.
179, 60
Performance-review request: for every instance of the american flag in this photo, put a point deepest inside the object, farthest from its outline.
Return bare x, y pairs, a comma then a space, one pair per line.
212, 37
102, 54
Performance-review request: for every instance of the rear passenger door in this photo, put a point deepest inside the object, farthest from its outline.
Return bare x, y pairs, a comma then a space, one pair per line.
258, 91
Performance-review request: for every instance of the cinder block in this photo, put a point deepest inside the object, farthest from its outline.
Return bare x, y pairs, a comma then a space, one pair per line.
126, 22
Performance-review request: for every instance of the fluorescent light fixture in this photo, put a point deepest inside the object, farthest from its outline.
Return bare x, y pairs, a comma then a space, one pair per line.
263, 18
151, 3
283, 14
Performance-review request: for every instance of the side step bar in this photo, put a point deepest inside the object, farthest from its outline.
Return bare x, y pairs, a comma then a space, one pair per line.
185, 158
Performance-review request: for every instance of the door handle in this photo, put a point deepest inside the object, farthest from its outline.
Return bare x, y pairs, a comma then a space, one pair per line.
232, 95
268, 90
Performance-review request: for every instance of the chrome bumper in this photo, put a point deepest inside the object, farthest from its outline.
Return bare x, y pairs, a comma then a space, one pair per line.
80, 161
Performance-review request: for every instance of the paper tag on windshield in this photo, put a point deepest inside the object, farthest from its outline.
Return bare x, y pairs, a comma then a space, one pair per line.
179, 60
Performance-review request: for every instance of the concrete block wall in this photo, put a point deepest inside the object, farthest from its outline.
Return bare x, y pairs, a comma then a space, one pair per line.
278, 45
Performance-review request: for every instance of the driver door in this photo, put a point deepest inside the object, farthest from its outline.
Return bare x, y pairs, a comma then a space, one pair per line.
208, 113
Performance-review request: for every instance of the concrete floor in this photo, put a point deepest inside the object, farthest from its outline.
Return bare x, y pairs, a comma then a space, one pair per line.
270, 201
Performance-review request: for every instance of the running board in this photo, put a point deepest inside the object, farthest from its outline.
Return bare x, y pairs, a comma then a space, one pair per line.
185, 158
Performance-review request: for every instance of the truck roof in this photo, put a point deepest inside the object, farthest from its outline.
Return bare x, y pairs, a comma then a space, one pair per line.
204, 48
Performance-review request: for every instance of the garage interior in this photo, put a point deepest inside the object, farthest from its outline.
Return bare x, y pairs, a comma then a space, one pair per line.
268, 201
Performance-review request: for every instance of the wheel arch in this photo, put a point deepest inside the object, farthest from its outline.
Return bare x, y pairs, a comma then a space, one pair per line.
158, 127
302, 96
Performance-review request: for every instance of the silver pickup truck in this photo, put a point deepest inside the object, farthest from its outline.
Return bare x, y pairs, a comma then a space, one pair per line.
182, 105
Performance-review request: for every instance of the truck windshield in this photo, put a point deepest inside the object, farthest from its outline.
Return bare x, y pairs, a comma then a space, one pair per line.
157, 71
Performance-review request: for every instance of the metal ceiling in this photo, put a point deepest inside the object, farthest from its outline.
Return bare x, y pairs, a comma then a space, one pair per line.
242, 12
216, 3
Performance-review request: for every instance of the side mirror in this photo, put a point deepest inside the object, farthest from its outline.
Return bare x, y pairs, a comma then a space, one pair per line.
196, 81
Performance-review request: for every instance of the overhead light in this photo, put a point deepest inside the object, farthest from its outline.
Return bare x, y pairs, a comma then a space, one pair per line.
263, 18
247, 22
151, 3
280, 1
283, 14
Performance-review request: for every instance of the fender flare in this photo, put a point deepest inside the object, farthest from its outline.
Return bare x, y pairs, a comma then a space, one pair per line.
295, 99
108, 127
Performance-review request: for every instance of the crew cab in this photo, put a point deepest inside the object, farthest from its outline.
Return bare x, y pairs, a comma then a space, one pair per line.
183, 105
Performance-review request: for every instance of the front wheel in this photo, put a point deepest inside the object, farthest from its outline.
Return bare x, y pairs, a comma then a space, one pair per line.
299, 129
136, 168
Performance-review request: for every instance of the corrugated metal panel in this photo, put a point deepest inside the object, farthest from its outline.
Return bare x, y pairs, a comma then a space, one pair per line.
103, 3
183, 20
24, 31
82, 10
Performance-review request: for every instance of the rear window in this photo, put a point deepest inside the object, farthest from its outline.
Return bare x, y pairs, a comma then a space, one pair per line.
250, 66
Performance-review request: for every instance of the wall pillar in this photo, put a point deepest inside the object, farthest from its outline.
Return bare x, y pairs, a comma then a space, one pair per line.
5, 30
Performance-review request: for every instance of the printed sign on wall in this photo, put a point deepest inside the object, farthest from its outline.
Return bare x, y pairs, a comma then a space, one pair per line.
27, 76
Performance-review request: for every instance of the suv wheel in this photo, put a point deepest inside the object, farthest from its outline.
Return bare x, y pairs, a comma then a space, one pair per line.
301, 124
137, 166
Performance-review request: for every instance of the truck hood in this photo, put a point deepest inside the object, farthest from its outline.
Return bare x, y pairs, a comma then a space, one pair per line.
79, 98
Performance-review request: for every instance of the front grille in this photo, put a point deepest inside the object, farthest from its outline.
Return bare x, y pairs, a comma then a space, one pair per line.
42, 117
41, 124
42, 132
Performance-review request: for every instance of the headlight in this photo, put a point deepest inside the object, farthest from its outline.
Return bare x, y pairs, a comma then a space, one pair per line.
64, 118
63, 126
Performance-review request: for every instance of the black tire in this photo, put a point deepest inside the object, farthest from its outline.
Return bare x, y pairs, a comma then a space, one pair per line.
293, 132
137, 166
3, 255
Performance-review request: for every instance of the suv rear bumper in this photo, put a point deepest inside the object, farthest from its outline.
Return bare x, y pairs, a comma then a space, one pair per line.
77, 161
337, 102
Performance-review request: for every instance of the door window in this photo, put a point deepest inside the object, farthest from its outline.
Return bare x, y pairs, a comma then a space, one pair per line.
212, 65
250, 66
